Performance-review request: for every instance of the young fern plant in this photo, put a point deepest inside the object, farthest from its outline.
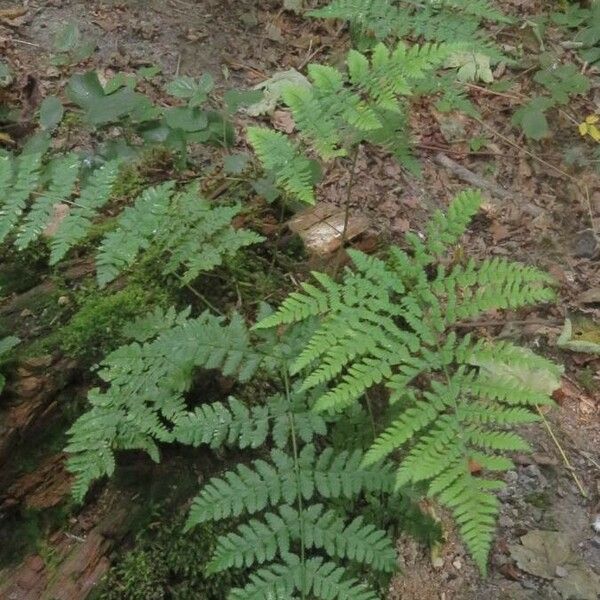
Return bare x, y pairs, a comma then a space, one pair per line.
293, 529
340, 110
294, 536
432, 20
30, 189
184, 231
456, 399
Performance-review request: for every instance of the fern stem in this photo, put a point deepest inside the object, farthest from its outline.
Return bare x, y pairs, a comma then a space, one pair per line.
347, 207
371, 415
199, 295
288, 398
562, 453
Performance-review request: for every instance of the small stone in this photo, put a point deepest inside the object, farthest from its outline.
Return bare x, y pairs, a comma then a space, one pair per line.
63, 301
586, 244
506, 522
536, 513
533, 471
561, 571
457, 564
437, 562
596, 524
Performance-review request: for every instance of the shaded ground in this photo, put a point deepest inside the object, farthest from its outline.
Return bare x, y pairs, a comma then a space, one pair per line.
243, 42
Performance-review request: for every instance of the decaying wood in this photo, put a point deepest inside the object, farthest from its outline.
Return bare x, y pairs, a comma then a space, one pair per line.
471, 178
79, 561
321, 228
34, 404
74, 272
45, 487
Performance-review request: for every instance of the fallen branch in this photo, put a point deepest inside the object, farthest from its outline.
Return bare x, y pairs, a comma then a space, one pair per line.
470, 177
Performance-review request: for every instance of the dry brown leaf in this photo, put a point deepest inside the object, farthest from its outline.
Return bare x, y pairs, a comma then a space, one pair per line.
282, 120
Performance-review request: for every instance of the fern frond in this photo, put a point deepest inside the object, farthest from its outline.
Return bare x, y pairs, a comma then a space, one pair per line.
216, 424
144, 402
138, 224
318, 120
94, 195
193, 244
277, 154
445, 230
25, 177
387, 322
258, 542
322, 580
250, 490
63, 174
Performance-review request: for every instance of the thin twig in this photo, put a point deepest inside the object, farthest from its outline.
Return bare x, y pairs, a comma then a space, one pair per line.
582, 187
347, 208
562, 453
470, 177
492, 323
18, 41
198, 295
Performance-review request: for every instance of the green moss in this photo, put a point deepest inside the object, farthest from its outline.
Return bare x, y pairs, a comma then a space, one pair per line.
167, 563
96, 327
540, 500
22, 270
587, 378
134, 177
26, 532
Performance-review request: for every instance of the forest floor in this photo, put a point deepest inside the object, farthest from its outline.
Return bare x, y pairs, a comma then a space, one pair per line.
546, 546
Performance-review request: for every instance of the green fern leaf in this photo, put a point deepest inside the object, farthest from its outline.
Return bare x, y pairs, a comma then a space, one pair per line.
322, 580
293, 171
191, 245
387, 323
13, 203
144, 402
94, 195
249, 490
258, 542
215, 424
63, 174
137, 226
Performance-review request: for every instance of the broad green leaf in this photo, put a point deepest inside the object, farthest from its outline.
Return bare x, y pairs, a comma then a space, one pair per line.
267, 189
235, 164
182, 87
67, 38
187, 88
85, 89
186, 119
51, 112
100, 108
149, 72
568, 341
119, 81
472, 66
532, 118
273, 89
8, 343
236, 99
563, 82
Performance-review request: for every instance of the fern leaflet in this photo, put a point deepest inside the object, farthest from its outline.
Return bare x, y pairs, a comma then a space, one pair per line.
293, 171
188, 233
